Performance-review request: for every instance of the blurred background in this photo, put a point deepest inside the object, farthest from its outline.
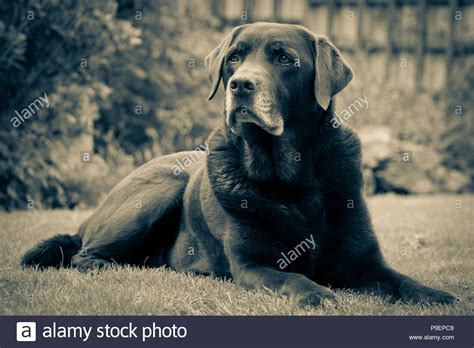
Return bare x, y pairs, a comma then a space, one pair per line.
125, 82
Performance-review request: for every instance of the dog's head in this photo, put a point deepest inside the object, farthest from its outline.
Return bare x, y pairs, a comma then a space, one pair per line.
273, 71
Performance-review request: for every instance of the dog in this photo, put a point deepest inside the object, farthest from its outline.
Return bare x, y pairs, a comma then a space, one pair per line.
278, 200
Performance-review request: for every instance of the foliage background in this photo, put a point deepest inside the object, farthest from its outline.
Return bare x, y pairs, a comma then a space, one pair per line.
126, 81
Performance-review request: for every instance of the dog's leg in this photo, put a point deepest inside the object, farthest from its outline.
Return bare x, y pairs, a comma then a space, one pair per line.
248, 269
86, 262
138, 219
291, 284
386, 281
366, 268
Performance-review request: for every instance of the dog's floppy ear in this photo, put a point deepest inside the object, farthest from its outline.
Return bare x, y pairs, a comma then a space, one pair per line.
332, 73
215, 60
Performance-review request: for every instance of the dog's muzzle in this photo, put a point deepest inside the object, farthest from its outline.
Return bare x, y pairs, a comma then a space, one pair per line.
246, 102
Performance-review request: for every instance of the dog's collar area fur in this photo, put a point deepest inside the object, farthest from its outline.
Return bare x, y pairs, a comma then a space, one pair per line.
243, 171
275, 160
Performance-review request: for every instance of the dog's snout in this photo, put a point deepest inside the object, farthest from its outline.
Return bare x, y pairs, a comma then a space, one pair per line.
242, 86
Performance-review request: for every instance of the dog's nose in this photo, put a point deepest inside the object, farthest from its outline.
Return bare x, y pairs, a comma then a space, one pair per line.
242, 86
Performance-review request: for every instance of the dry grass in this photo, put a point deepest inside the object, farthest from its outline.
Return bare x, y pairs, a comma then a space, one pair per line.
425, 237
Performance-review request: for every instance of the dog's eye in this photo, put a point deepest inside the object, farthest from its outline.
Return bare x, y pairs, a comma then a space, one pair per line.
234, 58
284, 59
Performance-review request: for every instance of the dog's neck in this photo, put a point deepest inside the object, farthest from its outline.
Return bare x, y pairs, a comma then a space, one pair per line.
269, 160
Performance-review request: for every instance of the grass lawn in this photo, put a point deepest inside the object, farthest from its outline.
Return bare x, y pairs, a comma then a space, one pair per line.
426, 237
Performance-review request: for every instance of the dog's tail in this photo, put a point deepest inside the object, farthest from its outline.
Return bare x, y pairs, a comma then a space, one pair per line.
54, 252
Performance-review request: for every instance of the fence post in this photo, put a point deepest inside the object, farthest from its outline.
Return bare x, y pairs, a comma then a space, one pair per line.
453, 4
331, 7
420, 50
360, 35
277, 10
392, 11
217, 7
249, 7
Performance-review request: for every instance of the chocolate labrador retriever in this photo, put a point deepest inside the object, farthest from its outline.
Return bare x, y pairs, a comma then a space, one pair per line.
275, 197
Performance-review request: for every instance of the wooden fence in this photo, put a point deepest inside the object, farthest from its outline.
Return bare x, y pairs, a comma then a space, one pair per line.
416, 45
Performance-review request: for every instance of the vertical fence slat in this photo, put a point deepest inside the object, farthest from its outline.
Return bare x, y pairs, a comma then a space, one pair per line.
453, 4
367, 36
421, 47
249, 6
360, 35
217, 8
277, 10
331, 8
391, 15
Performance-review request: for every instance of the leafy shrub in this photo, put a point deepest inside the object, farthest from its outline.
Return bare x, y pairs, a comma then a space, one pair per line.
98, 64
458, 137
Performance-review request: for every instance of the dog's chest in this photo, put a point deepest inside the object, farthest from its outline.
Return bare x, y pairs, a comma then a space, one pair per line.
295, 236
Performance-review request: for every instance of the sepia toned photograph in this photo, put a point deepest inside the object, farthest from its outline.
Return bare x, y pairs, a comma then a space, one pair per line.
237, 157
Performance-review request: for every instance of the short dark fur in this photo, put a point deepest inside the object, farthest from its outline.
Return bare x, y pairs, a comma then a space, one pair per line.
54, 252
233, 212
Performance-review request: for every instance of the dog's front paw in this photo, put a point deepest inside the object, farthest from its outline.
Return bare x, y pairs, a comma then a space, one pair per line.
87, 262
417, 293
316, 298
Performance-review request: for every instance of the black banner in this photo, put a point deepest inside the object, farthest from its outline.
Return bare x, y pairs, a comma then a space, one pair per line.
107, 331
